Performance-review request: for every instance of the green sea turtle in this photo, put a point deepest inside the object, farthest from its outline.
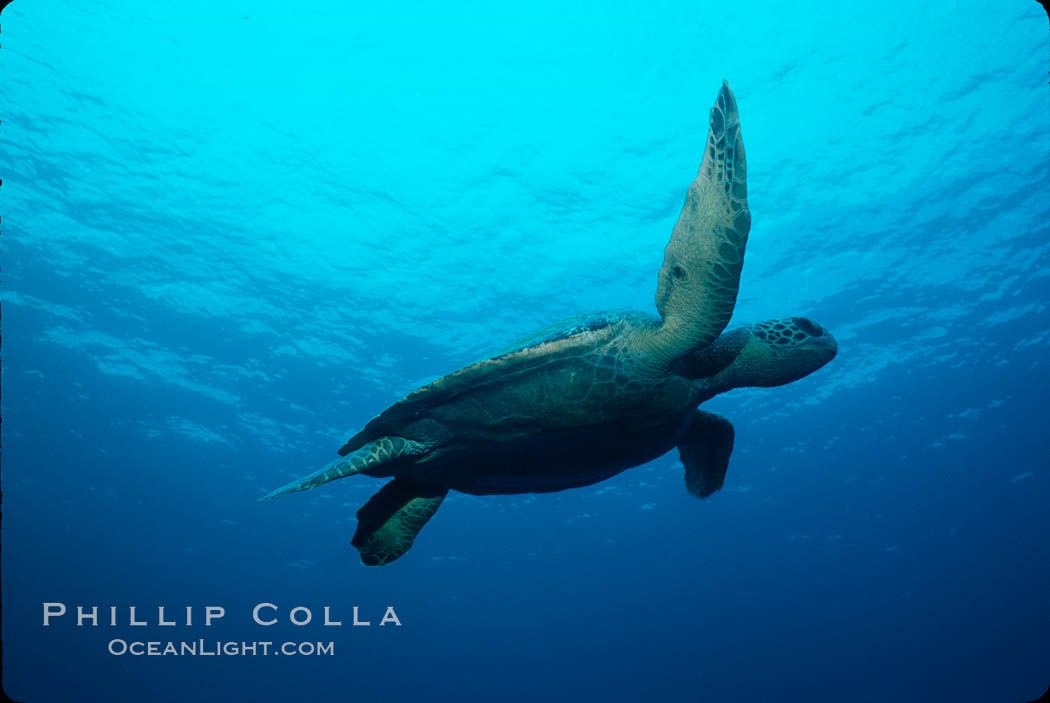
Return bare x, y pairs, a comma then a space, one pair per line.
588, 397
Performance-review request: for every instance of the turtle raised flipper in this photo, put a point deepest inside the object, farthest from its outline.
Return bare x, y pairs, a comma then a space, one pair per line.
366, 458
705, 451
702, 262
389, 522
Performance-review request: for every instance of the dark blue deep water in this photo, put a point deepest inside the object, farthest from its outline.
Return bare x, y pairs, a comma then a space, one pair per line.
233, 232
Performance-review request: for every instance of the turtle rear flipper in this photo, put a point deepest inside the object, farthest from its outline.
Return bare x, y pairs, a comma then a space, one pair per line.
705, 451
364, 460
389, 522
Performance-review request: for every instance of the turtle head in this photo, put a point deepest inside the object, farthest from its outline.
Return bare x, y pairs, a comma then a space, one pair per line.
781, 351
764, 354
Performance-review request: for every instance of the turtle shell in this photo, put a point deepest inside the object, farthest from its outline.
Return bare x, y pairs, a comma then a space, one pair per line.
573, 336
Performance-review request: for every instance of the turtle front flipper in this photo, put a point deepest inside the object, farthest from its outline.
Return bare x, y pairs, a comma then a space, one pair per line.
389, 522
380, 451
702, 262
705, 451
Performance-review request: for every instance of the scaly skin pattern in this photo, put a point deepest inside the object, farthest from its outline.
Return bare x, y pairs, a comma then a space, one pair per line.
395, 536
700, 275
382, 451
771, 353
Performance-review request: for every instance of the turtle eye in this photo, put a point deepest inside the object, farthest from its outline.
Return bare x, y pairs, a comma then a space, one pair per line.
810, 328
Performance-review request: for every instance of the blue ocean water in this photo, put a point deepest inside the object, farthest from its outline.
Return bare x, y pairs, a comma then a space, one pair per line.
234, 232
